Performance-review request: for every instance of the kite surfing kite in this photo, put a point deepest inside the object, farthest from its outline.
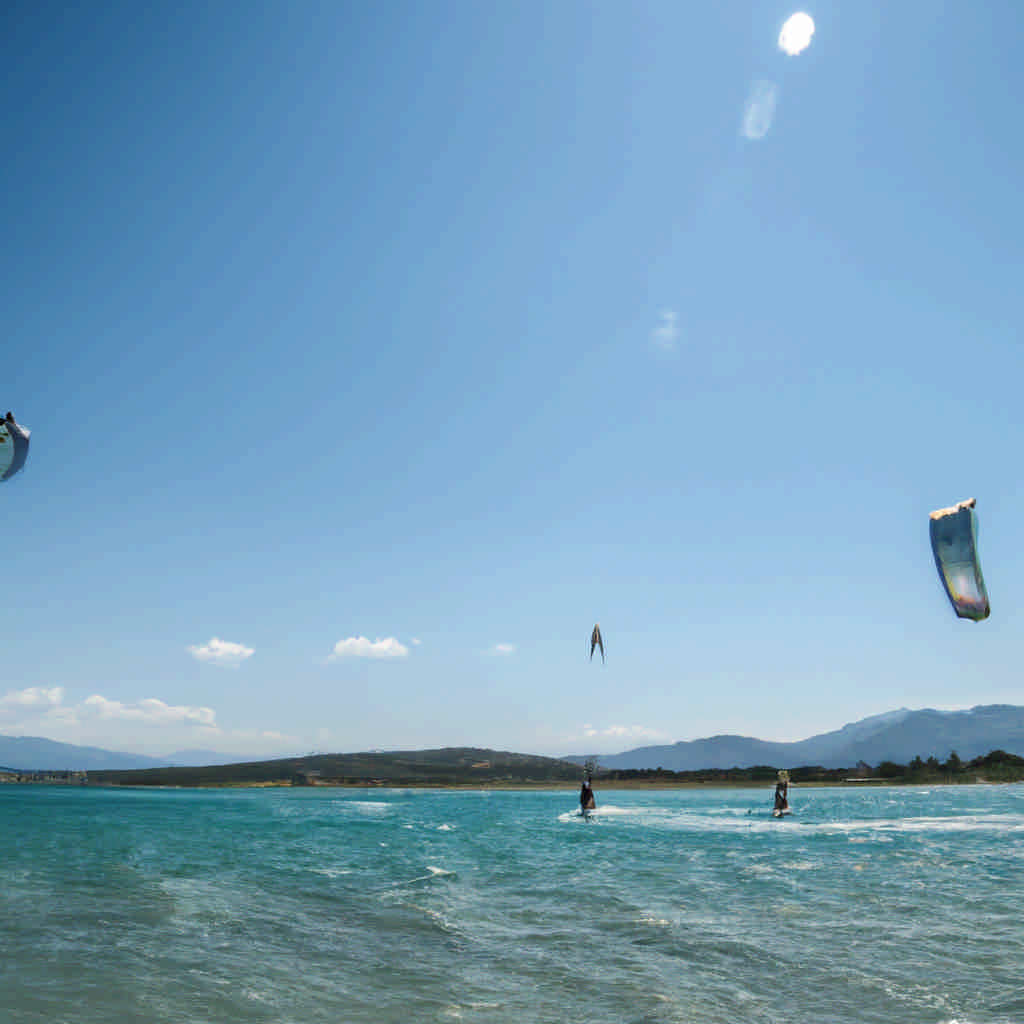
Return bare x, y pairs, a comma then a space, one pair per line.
954, 533
596, 641
13, 446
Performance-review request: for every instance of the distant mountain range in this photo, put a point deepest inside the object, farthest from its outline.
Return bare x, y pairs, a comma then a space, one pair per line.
35, 754
894, 736
898, 736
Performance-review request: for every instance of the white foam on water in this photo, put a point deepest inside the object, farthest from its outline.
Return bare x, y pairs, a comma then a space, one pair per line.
331, 872
454, 1010
965, 823
651, 920
432, 872
375, 808
726, 821
445, 828
800, 865
605, 811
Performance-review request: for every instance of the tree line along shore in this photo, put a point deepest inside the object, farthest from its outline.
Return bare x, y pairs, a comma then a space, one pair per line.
475, 768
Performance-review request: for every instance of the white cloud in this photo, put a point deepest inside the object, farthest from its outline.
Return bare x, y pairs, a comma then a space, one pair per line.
503, 649
667, 331
149, 711
101, 721
360, 647
618, 732
796, 33
32, 698
415, 641
760, 109
221, 652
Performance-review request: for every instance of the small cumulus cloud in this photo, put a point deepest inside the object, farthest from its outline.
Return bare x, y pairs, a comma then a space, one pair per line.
415, 641
623, 732
32, 698
759, 111
503, 649
221, 652
149, 711
796, 33
102, 721
361, 647
666, 333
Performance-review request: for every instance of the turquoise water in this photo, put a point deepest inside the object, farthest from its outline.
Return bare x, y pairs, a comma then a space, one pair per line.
881, 904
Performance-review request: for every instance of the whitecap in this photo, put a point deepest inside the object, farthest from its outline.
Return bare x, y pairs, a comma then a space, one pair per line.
331, 872
375, 808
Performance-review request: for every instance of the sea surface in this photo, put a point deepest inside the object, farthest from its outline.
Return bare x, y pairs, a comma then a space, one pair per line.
377, 905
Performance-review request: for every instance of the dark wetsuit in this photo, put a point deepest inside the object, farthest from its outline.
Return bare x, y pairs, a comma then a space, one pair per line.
586, 797
781, 790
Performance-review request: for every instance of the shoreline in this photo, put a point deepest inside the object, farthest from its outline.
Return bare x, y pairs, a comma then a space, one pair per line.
567, 787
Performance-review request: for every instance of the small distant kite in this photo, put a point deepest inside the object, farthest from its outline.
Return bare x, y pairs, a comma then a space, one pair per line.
13, 446
954, 535
596, 641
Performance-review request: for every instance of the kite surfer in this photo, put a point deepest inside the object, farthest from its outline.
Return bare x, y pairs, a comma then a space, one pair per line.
587, 802
781, 794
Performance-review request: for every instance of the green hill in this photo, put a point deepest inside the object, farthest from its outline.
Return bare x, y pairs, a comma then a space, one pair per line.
445, 767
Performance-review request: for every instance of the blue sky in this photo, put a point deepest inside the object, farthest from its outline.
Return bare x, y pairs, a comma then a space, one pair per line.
459, 327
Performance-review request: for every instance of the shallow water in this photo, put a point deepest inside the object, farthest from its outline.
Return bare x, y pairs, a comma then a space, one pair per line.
866, 905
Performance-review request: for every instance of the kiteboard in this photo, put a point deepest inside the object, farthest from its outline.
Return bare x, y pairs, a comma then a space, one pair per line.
779, 814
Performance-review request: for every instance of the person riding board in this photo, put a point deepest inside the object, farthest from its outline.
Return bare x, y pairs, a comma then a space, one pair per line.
587, 802
782, 791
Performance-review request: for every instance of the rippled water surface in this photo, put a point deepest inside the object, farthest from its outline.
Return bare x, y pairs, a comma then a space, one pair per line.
867, 905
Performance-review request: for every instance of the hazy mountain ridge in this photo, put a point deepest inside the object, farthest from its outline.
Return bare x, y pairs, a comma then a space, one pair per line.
35, 753
896, 736
892, 736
